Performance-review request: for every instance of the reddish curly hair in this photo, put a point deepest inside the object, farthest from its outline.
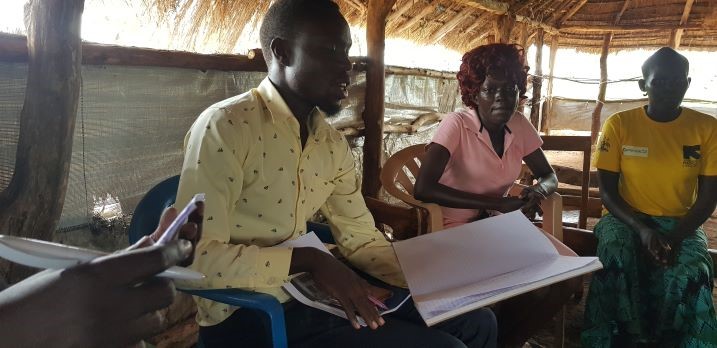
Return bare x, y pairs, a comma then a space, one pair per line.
494, 59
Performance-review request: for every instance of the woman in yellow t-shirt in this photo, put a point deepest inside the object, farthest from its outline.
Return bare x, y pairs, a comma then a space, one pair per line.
657, 167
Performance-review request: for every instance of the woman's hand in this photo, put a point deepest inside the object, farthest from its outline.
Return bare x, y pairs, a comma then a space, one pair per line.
532, 198
657, 246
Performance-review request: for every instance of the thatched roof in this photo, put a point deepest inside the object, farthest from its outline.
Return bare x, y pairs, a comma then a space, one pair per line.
463, 24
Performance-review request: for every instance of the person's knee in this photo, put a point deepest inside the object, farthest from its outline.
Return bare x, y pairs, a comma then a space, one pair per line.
440, 340
484, 319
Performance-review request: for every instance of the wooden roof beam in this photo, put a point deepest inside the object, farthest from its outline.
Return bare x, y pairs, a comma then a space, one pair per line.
622, 28
480, 38
400, 10
428, 9
478, 22
556, 13
533, 23
501, 8
622, 11
493, 6
450, 25
676, 34
570, 13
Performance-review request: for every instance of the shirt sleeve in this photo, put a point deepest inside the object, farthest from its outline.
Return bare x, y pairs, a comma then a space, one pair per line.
529, 135
609, 150
354, 230
448, 133
709, 154
214, 155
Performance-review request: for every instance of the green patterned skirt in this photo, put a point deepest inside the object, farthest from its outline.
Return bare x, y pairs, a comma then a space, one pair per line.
633, 302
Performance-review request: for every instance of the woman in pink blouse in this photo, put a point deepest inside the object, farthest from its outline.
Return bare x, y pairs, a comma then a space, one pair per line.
475, 157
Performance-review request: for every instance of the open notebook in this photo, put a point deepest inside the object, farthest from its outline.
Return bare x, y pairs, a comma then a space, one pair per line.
457, 270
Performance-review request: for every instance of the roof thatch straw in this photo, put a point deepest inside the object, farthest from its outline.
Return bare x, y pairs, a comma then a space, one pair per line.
463, 24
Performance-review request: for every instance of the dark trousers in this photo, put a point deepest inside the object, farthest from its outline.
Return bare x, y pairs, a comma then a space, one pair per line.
309, 327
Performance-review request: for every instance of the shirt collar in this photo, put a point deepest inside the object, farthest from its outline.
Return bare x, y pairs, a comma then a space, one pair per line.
280, 112
475, 125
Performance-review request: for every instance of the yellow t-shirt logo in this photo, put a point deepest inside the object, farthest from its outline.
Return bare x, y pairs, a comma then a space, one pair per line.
690, 155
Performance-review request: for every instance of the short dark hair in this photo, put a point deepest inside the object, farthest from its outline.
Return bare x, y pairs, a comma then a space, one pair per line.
284, 17
664, 54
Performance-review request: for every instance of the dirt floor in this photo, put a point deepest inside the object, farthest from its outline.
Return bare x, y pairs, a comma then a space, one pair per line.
574, 313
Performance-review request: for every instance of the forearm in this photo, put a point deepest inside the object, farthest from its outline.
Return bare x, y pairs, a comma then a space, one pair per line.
622, 211
547, 184
449, 197
701, 210
614, 203
305, 260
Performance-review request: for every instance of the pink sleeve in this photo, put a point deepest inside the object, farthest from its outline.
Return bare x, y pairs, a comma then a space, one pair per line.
449, 132
531, 138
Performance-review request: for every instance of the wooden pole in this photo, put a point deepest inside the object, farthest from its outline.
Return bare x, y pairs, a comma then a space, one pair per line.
537, 80
595, 126
13, 48
506, 23
551, 65
524, 37
31, 204
676, 34
374, 107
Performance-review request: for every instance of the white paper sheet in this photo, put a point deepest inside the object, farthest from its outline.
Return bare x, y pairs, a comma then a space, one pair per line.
309, 240
460, 269
471, 253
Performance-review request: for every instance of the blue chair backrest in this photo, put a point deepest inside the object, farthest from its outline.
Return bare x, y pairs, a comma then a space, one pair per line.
150, 208
147, 213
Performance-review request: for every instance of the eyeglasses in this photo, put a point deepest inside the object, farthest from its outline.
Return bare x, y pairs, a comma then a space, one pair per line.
507, 90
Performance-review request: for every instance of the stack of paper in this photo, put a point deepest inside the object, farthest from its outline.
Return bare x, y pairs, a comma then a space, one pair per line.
471, 266
303, 288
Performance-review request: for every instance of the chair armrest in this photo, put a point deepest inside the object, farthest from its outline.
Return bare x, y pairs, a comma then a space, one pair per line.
435, 215
552, 208
263, 302
406, 222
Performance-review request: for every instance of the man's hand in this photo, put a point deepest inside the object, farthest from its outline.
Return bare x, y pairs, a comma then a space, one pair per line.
340, 282
191, 231
111, 301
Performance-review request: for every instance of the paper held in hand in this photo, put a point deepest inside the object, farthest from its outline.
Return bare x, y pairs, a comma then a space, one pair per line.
305, 290
460, 269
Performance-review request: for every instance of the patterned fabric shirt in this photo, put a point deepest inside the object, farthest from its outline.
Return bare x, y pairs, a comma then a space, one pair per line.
261, 187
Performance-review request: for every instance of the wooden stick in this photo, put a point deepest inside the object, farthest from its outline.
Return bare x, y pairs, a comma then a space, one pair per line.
622, 11
537, 80
506, 23
571, 12
624, 28
32, 203
595, 126
676, 34
551, 65
375, 93
493, 6
427, 9
398, 70
13, 48
396, 15
450, 25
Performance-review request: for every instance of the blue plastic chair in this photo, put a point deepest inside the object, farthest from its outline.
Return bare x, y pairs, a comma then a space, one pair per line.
146, 218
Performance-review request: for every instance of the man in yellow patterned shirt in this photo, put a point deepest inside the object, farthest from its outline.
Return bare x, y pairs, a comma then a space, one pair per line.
267, 161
